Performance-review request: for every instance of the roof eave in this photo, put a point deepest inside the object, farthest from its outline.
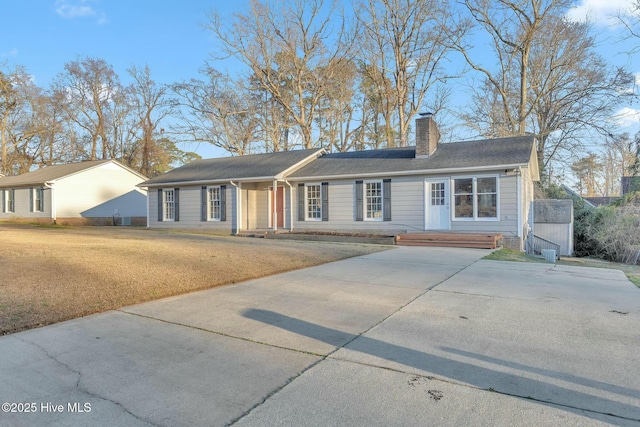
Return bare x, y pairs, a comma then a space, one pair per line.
209, 181
410, 172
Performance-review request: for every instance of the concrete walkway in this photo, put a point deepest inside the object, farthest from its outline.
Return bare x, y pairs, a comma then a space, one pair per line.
411, 336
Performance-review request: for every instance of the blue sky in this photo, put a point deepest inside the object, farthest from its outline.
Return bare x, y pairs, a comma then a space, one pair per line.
43, 35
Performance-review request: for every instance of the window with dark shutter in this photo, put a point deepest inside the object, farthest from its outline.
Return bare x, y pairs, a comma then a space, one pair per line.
386, 204
325, 201
301, 208
176, 204
203, 203
31, 190
3, 200
223, 203
160, 203
359, 205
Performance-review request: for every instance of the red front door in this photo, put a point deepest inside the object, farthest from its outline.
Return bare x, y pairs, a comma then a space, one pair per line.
277, 211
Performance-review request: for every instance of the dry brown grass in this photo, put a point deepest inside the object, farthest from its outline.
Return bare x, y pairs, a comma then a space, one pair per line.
50, 274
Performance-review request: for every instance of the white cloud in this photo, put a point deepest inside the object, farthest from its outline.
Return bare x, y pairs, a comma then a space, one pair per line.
8, 54
600, 12
627, 117
70, 9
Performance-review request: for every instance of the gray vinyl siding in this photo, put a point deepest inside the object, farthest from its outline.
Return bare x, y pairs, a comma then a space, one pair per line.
407, 211
22, 204
408, 207
508, 210
190, 214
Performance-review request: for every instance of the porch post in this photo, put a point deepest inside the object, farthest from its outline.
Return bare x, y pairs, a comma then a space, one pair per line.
274, 200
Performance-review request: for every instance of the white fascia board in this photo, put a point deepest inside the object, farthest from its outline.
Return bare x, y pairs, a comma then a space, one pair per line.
209, 182
300, 164
407, 173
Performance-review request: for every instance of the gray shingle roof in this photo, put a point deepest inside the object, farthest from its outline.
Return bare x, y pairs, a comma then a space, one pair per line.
467, 154
267, 165
48, 174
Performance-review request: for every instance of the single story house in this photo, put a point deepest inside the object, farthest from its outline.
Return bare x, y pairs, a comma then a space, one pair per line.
473, 186
94, 192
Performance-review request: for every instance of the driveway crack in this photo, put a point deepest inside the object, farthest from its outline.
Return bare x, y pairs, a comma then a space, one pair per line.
78, 385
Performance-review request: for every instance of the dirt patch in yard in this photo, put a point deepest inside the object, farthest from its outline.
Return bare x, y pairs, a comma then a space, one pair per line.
50, 274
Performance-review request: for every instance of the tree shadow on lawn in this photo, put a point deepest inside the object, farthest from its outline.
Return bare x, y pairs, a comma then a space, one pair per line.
484, 378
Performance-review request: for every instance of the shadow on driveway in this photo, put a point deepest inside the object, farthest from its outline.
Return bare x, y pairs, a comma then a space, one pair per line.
481, 377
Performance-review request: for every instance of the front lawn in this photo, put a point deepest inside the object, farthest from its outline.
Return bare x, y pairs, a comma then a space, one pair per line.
50, 274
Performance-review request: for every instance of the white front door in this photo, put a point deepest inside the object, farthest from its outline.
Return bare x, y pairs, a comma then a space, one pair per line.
437, 204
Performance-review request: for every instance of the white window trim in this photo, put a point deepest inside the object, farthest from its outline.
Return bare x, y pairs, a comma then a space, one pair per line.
164, 204
364, 199
7, 205
306, 201
36, 205
474, 194
209, 213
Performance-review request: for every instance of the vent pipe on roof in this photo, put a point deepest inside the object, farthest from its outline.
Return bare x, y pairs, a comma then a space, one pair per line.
427, 135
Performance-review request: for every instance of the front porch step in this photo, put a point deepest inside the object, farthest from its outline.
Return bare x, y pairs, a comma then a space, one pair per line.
451, 240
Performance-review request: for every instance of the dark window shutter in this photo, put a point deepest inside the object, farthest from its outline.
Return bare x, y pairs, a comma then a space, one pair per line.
160, 216
203, 203
41, 200
176, 204
301, 202
386, 199
223, 203
325, 201
31, 190
359, 204
3, 200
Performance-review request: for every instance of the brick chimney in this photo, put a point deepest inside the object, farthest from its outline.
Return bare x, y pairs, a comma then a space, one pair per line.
427, 135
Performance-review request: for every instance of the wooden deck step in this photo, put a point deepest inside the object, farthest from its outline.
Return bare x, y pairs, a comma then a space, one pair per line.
452, 240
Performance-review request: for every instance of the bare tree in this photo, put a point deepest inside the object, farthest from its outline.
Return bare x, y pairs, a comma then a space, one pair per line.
219, 111
285, 44
587, 170
549, 79
8, 103
404, 49
512, 26
90, 85
151, 105
573, 91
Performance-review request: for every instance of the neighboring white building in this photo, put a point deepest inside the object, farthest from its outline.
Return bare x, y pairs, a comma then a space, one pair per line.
93, 192
476, 186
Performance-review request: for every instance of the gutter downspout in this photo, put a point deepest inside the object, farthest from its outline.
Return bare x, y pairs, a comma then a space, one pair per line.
290, 205
238, 206
53, 201
520, 206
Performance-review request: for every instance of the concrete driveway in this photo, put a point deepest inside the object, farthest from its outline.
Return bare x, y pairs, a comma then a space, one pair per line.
410, 336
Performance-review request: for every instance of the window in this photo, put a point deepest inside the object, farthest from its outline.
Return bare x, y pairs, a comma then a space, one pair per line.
9, 200
476, 198
168, 202
313, 202
215, 203
437, 193
373, 200
37, 200
487, 198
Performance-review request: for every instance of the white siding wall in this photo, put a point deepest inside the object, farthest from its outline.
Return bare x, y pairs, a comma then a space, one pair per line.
77, 195
21, 204
189, 211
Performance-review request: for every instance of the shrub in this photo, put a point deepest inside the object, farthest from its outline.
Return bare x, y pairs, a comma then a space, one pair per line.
610, 232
